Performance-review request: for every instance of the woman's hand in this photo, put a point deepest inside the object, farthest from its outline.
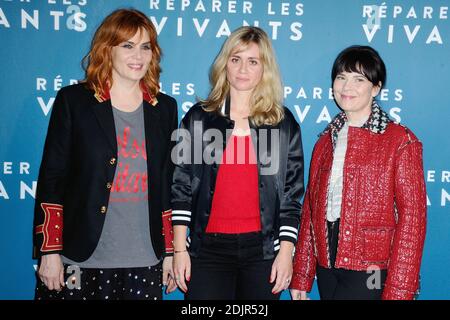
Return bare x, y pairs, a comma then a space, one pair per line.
51, 271
282, 268
168, 279
299, 295
182, 269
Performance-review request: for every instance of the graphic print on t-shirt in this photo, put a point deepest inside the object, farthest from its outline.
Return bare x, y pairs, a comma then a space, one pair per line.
131, 180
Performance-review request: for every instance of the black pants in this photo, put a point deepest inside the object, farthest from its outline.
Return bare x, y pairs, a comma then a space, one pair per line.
108, 284
231, 267
341, 284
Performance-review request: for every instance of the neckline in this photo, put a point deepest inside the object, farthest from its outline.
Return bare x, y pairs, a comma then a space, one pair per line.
136, 110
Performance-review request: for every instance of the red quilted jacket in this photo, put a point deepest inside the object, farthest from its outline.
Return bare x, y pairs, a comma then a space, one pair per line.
383, 214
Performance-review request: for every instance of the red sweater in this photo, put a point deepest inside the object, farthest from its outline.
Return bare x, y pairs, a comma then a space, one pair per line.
235, 205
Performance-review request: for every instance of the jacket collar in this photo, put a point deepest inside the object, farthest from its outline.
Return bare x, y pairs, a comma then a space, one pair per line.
101, 97
377, 122
225, 109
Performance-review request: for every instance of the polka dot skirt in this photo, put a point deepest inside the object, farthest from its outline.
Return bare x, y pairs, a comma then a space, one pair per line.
108, 284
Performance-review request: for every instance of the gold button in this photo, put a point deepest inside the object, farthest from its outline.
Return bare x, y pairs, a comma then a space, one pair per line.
103, 209
56, 227
109, 185
112, 161
57, 239
58, 214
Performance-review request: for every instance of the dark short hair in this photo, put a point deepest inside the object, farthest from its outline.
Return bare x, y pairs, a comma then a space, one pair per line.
361, 59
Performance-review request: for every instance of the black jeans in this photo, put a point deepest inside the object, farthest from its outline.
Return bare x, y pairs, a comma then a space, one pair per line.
341, 284
231, 267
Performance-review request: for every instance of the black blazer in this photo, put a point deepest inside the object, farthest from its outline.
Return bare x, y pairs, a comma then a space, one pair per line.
78, 167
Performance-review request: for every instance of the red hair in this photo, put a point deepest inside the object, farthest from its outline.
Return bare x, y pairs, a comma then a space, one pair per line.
121, 25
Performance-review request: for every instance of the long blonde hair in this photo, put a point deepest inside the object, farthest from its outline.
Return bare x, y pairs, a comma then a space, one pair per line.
266, 101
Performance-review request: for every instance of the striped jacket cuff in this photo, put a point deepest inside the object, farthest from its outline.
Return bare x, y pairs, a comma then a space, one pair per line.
181, 217
288, 233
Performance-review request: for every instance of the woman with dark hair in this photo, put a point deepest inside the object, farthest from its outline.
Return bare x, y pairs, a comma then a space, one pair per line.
364, 212
239, 196
102, 214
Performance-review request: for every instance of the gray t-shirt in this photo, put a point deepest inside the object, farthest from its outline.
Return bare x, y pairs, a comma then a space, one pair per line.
125, 239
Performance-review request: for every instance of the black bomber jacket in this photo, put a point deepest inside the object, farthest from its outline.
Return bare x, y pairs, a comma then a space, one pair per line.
280, 175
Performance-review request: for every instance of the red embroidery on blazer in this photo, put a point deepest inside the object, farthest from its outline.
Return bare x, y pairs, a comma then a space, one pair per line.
52, 227
167, 230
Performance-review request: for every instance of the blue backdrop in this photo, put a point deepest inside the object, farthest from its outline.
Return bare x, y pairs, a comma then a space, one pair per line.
43, 41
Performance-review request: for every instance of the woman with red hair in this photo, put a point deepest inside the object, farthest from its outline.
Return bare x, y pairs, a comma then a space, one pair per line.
102, 215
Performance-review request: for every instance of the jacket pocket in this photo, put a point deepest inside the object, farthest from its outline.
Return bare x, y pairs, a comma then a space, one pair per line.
376, 243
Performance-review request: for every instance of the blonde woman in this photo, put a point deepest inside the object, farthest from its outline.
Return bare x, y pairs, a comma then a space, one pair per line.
238, 179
